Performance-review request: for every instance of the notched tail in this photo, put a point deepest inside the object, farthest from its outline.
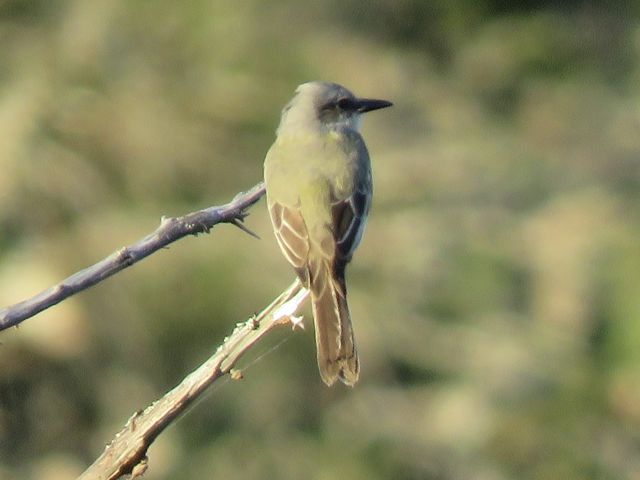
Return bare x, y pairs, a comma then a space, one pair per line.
337, 354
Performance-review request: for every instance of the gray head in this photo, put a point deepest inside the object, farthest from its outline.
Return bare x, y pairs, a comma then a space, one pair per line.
326, 105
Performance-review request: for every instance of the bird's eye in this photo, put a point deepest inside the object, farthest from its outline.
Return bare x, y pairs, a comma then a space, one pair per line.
344, 103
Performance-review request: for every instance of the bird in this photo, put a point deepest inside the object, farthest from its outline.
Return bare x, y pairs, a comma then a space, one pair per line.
319, 187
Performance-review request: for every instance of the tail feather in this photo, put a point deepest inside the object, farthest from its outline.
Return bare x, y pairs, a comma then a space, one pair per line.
337, 355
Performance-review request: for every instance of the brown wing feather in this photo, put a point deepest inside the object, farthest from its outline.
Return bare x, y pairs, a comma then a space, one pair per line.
292, 236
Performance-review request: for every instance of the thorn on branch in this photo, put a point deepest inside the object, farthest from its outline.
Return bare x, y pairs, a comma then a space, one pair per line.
238, 223
294, 320
204, 227
140, 468
242, 214
131, 423
124, 256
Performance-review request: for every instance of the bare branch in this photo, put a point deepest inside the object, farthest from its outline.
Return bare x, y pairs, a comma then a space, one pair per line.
170, 230
127, 451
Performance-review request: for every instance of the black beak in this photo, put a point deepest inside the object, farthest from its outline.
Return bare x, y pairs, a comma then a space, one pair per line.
369, 104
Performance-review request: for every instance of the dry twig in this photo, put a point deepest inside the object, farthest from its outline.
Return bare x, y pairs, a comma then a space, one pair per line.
170, 230
126, 454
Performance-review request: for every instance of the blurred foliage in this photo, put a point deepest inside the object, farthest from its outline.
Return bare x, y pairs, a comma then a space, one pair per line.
500, 331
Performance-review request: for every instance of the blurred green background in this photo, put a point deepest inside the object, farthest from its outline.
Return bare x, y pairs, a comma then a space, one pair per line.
496, 294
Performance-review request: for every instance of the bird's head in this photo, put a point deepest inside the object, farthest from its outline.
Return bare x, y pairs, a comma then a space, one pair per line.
326, 105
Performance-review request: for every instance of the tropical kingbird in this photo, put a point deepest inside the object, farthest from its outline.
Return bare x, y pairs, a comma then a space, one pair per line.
318, 179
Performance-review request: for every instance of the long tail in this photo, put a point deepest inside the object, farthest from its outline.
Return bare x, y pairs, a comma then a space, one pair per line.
337, 355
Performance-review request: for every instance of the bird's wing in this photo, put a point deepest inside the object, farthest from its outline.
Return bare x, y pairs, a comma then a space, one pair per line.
349, 218
293, 238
